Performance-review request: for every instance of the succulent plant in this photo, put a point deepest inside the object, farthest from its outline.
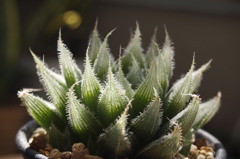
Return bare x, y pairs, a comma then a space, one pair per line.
122, 108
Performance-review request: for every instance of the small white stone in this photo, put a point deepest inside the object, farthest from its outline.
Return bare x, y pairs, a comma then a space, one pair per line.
193, 148
203, 152
40, 131
201, 156
210, 155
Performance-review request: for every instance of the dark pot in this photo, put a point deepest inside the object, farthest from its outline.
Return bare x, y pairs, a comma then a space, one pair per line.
26, 131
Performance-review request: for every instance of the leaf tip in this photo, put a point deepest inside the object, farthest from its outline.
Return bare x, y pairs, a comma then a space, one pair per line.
219, 95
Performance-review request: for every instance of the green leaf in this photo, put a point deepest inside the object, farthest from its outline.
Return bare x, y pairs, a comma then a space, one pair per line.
69, 69
196, 78
112, 101
179, 96
198, 75
54, 86
81, 120
152, 50
43, 112
134, 48
42, 67
90, 88
102, 60
145, 93
187, 142
206, 111
94, 44
163, 76
123, 81
165, 147
186, 117
115, 141
135, 75
146, 125
59, 139
165, 65
168, 55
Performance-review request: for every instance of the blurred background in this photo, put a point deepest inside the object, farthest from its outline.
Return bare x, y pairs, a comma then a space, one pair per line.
210, 28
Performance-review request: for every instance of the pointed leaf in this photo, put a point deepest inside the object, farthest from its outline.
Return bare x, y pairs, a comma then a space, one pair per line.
102, 60
186, 117
69, 69
123, 81
135, 75
53, 85
187, 142
165, 147
206, 111
146, 125
180, 95
145, 93
43, 112
94, 44
152, 50
163, 76
41, 66
114, 142
82, 121
90, 88
168, 55
197, 77
134, 48
59, 139
112, 101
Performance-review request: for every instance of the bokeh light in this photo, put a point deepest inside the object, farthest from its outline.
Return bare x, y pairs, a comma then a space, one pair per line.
72, 19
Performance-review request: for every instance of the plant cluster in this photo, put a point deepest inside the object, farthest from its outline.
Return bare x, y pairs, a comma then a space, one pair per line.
122, 108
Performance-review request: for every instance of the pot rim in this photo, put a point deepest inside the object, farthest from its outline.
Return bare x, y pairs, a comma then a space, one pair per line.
24, 133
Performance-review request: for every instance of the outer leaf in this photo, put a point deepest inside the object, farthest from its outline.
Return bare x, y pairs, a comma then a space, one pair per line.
145, 93
163, 75
152, 51
53, 85
134, 48
40, 65
80, 118
179, 96
168, 55
94, 44
102, 61
146, 125
69, 69
197, 77
187, 142
112, 101
43, 112
59, 139
186, 117
123, 81
135, 75
206, 111
114, 142
90, 88
165, 147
